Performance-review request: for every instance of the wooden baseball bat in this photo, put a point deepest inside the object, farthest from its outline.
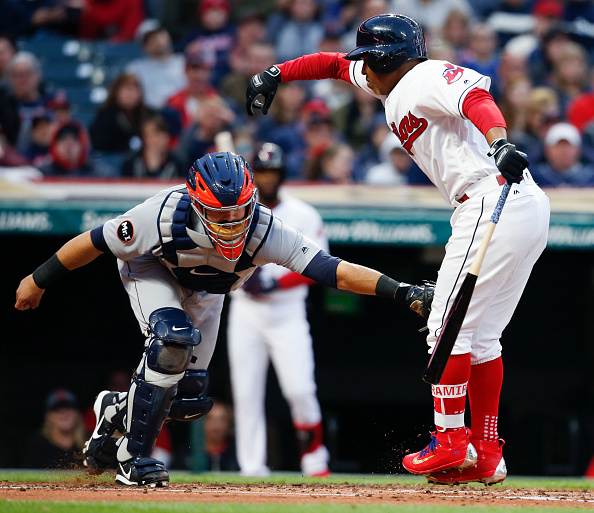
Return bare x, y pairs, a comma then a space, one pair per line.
455, 318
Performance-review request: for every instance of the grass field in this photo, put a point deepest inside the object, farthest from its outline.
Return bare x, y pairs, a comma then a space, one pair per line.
57, 479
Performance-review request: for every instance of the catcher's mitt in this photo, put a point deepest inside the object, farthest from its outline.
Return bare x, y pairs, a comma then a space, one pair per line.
419, 298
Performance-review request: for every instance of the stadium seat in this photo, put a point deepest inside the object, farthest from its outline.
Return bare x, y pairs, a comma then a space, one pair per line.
73, 74
55, 49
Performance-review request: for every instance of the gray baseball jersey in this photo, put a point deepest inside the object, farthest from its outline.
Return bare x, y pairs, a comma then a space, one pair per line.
165, 227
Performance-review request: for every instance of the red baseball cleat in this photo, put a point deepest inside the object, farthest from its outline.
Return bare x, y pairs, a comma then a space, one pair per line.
489, 469
451, 449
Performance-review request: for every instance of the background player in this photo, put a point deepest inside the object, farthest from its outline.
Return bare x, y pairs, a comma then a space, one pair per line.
178, 253
268, 321
448, 122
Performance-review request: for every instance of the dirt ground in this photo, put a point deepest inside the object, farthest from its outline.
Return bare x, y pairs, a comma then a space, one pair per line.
300, 493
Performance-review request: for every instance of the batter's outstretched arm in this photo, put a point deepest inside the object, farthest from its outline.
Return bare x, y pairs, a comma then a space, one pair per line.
75, 253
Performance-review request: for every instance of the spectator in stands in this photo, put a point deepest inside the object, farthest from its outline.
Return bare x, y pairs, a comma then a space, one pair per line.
259, 56
7, 51
332, 165
514, 101
545, 16
456, 32
542, 111
220, 443
69, 152
114, 20
9, 114
510, 18
301, 33
187, 102
161, 72
355, 118
251, 30
542, 59
9, 156
216, 34
562, 165
580, 111
25, 74
482, 53
363, 10
37, 152
431, 14
511, 67
59, 107
154, 159
62, 436
570, 74
116, 126
395, 164
213, 116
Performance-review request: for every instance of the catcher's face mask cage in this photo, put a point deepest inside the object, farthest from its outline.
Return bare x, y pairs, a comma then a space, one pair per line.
223, 196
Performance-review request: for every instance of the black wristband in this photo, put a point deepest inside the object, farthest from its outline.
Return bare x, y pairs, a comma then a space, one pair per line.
49, 272
391, 289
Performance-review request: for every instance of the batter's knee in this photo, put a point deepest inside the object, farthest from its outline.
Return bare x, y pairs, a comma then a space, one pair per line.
173, 337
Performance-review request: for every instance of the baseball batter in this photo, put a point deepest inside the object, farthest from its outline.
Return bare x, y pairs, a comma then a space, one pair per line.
178, 253
268, 322
446, 119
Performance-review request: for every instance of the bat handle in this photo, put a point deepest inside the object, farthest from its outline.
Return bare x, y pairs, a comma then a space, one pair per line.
500, 203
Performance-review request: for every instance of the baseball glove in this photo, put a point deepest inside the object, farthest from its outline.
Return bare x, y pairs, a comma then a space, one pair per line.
419, 298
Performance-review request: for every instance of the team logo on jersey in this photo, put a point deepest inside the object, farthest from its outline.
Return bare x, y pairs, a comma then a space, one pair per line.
409, 129
126, 232
452, 73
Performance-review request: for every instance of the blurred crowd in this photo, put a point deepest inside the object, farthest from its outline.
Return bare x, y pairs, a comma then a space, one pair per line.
139, 89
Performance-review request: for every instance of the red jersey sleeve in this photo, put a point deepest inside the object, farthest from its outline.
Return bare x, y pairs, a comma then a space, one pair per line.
316, 66
481, 109
290, 280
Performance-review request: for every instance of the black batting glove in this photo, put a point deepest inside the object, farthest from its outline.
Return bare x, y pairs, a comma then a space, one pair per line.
265, 84
420, 297
510, 162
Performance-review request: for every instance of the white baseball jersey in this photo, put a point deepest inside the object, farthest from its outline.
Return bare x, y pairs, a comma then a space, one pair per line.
424, 110
274, 327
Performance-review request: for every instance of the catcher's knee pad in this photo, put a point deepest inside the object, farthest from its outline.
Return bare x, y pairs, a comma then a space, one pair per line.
173, 337
190, 402
148, 407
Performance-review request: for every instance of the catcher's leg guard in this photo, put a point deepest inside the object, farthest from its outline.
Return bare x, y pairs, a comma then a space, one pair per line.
151, 393
190, 402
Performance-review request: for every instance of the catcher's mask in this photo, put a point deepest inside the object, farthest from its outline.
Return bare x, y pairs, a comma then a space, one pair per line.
221, 187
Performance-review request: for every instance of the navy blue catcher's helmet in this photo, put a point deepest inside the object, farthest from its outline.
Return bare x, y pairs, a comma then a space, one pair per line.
269, 156
388, 41
223, 182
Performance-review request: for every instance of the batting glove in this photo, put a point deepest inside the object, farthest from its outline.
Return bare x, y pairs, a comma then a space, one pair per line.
265, 84
510, 162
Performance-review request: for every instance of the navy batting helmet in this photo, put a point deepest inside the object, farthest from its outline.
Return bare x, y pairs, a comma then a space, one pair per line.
269, 156
223, 182
388, 41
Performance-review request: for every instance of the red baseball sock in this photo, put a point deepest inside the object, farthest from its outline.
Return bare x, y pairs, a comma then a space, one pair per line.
484, 389
449, 397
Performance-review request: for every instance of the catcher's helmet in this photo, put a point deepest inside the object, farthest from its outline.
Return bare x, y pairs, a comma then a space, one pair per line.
269, 156
388, 41
223, 182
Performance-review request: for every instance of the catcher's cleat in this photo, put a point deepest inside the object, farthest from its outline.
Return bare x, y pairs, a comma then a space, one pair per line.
142, 472
451, 449
489, 469
100, 450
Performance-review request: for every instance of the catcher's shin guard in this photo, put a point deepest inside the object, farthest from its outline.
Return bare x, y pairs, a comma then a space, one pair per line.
190, 402
169, 350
